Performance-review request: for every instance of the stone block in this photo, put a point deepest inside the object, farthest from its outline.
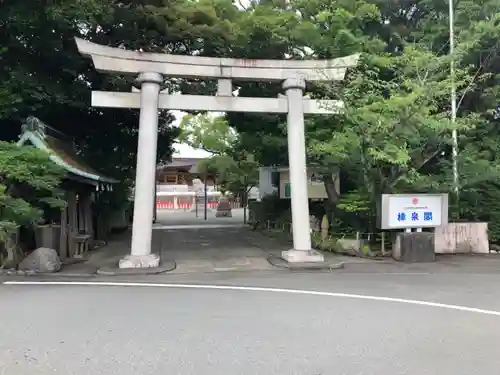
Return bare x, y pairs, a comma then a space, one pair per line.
10, 252
41, 260
460, 238
223, 208
48, 236
414, 247
350, 244
314, 224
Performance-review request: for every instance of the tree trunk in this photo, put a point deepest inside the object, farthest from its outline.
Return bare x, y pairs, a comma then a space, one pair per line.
331, 191
245, 198
332, 195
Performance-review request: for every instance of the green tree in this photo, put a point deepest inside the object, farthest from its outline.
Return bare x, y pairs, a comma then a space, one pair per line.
236, 169
395, 135
29, 184
477, 35
211, 133
236, 173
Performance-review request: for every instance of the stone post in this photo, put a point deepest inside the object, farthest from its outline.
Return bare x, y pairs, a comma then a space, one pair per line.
154, 203
72, 223
301, 251
142, 227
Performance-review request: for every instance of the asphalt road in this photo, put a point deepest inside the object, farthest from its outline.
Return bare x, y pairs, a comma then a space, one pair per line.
142, 330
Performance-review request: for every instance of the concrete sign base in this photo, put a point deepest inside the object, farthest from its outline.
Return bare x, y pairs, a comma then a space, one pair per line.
414, 247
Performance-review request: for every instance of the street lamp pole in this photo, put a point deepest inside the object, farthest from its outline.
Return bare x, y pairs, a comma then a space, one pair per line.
454, 134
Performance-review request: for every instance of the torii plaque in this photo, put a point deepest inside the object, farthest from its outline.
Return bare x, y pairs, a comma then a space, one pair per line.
152, 68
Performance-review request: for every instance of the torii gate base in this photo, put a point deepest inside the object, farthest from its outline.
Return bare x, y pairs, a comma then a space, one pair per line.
151, 69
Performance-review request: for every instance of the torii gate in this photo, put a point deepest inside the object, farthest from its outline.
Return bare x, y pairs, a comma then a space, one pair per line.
152, 68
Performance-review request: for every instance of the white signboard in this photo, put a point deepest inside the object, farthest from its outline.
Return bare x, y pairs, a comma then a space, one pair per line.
399, 211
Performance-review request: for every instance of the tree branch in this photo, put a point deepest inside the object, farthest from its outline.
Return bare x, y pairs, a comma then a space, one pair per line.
481, 66
416, 166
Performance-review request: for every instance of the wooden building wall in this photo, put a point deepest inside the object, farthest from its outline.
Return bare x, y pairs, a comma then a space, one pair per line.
173, 176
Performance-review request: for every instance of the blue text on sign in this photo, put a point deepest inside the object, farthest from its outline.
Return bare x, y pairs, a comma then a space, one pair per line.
415, 216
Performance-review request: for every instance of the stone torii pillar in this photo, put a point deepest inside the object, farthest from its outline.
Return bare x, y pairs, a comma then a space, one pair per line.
145, 175
302, 250
152, 67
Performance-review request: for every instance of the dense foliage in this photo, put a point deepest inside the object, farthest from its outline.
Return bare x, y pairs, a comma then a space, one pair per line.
29, 184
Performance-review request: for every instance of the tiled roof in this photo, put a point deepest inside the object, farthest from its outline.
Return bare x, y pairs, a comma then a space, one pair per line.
68, 155
185, 163
61, 150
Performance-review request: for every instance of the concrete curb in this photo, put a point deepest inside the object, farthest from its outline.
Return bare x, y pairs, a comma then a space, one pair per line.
115, 271
49, 274
62, 274
280, 263
69, 262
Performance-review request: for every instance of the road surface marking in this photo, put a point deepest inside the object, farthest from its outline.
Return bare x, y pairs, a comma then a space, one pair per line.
260, 289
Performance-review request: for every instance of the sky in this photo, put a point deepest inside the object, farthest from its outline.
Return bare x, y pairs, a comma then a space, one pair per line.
186, 151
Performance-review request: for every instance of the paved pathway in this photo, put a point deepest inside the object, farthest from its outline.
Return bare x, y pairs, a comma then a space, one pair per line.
217, 244
195, 245
214, 249
165, 218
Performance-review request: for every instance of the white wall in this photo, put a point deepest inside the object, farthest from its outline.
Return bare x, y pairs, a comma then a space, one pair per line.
265, 182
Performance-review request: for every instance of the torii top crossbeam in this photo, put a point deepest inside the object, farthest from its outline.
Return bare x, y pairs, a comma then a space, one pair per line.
117, 60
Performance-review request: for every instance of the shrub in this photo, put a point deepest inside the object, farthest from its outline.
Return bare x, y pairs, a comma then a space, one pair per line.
29, 184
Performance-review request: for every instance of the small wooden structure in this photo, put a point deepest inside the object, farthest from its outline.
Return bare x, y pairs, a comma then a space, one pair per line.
78, 225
